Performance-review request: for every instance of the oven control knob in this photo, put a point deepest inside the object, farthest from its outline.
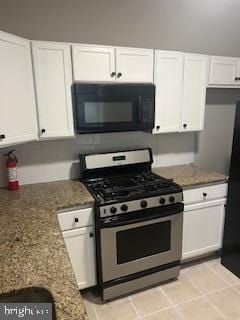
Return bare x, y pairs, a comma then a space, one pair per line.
144, 204
124, 207
113, 210
162, 200
171, 199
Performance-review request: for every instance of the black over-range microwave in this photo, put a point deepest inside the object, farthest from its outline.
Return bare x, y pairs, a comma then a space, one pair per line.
114, 107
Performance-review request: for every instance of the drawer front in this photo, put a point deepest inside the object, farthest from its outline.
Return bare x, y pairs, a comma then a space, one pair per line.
76, 218
205, 193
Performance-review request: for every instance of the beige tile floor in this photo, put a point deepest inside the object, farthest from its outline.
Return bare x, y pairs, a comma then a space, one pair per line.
205, 290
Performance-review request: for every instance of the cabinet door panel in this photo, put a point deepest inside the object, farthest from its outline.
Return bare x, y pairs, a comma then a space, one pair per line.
80, 246
53, 79
92, 63
18, 120
202, 228
168, 78
135, 65
194, 92
223, 71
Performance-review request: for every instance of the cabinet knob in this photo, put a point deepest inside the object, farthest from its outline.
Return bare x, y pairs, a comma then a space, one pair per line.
91, 235
113, 74
2, 136
204, 194
43, 130
184, 125
76, 220
119, 75
157, 127
237, 79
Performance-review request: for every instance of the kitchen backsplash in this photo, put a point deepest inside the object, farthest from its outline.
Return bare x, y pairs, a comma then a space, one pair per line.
58, 160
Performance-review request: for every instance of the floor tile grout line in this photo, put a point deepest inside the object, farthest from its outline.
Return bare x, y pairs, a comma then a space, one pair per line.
94, 309
178, 313
209, 301
219, 312
156, 311
165, 295
134, 307
230, 284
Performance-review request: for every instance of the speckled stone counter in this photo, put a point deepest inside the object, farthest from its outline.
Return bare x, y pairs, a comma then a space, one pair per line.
32, 250
189, 175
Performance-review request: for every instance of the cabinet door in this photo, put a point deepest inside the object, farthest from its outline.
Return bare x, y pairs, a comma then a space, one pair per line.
53, 80
134, 65
81, 250
203, 228
223, 71
92, 63
194, 92
18, 120
168, 78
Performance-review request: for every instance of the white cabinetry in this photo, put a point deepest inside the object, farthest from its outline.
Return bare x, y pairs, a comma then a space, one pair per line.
134, 65
80, 244
78, 233
224, 71
109, 64
204, 213
93, 63
18, 121
194, 91
181, 82
53, 80
168, 78
203, 228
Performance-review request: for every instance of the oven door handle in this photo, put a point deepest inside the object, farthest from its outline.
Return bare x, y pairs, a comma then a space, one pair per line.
112, 224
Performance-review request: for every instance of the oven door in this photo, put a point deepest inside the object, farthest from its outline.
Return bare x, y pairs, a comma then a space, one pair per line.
130, 248
109, 108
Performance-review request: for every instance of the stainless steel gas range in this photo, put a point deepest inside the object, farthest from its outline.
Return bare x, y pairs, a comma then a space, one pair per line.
139, 218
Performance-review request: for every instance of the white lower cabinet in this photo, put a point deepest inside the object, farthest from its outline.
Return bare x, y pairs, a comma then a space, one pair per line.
78, 233
203, 228
80, 244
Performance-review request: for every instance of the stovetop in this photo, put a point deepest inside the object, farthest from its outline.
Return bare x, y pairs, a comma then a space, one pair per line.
130, 186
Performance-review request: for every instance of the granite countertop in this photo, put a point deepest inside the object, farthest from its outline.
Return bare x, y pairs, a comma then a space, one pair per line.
189, 175
32, 250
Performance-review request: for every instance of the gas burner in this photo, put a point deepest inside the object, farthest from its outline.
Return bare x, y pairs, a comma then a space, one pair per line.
119, 188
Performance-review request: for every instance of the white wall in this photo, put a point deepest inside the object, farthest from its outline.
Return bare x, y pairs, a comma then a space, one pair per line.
214, 144
58, 160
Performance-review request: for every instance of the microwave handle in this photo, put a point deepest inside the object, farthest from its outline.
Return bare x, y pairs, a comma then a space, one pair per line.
140, 109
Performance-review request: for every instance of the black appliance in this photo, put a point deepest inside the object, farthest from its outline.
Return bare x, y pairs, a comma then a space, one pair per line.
111, 107
231, 240
138, 221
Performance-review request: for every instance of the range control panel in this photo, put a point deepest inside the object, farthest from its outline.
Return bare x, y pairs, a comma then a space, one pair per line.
140, 204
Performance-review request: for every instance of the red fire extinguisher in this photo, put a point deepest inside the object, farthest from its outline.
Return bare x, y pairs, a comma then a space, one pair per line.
11, 164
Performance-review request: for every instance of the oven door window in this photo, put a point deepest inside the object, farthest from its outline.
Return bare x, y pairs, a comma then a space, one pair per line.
144, 241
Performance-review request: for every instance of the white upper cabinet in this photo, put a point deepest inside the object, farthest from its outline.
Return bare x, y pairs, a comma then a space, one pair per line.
194, 91
134, 65
109, 64
18, 121
224, 71
168, 78
93, 63
181, 82
53, 80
